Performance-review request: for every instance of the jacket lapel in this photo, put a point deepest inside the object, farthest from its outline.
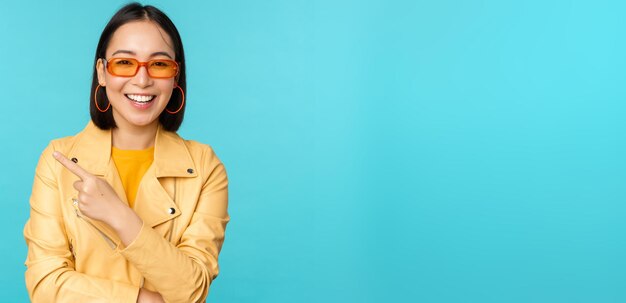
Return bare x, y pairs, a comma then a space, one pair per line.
93, 150
154, 203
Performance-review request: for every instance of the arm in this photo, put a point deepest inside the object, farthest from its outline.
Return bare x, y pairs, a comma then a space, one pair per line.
194, 260
50, 274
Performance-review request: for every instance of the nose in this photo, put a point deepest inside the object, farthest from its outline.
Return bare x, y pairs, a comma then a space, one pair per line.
142, 79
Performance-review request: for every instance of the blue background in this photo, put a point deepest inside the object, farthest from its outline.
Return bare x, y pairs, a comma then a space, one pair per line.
378, 151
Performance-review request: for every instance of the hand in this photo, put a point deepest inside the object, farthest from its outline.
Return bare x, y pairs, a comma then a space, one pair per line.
96, 198
146, 296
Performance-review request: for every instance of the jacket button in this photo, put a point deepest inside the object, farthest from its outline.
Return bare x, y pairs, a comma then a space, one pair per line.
171, 211
74, 160
190, 170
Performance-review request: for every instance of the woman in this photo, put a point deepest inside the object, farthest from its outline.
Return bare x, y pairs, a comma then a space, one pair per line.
138, 214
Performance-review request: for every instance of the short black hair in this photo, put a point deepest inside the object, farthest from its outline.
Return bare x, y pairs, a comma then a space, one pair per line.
129, 13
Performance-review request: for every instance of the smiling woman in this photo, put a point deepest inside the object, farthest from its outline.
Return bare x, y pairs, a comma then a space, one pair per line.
138, 214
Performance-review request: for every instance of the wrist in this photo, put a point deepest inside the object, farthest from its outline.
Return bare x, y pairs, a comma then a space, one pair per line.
127, 224
124, 217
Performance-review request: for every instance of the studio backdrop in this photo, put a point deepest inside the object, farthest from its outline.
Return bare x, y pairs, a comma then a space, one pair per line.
377, 151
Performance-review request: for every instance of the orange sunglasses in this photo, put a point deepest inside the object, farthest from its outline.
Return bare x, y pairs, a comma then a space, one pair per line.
128, 67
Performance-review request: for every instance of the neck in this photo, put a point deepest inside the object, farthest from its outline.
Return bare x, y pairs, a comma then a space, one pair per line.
134, 137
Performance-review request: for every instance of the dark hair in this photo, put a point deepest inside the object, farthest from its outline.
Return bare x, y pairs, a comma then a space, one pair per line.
129, 13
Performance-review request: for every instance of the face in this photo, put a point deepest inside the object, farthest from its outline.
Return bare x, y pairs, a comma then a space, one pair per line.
137, 101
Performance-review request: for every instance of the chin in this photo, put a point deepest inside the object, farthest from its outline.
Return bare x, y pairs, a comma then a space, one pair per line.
145, 122
142, 121
138, 119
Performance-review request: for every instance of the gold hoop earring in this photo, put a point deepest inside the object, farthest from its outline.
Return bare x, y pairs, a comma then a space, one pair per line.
181, 103
95, 100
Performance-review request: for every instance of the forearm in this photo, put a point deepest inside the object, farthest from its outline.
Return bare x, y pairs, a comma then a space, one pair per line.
66, 285
158, 260
126, 224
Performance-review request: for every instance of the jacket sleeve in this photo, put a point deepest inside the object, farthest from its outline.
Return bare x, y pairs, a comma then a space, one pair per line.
50, 274
193, 261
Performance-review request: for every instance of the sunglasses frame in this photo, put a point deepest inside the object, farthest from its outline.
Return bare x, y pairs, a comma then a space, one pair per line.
140, 64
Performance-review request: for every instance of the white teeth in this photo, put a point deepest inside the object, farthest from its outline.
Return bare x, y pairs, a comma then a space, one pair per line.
140, 98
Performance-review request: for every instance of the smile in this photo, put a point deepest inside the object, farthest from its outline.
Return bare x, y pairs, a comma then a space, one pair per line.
140, 98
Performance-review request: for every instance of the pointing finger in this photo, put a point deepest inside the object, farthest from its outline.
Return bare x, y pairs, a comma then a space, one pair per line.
71, 166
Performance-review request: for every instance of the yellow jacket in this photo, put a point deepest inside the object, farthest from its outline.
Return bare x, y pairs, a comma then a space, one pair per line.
182, 201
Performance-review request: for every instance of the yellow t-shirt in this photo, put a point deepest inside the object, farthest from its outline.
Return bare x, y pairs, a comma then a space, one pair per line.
131, 166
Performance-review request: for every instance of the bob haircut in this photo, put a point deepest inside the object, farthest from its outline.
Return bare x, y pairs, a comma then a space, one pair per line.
129, 13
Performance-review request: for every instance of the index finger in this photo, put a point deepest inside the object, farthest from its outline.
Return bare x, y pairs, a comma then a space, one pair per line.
71, 166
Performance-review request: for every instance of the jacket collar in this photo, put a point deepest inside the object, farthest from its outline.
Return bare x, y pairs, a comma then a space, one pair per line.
171, 156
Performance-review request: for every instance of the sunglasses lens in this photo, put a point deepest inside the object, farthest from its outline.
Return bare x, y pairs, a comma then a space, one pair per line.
123, 67
162, 68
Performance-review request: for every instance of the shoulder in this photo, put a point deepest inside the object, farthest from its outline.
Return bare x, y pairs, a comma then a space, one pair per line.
202, 153
206, 160
65, 144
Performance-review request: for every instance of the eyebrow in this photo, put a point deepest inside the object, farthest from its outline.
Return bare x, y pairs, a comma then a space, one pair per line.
123, 51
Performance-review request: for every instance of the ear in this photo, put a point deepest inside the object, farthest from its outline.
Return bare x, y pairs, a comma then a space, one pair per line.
101, 73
